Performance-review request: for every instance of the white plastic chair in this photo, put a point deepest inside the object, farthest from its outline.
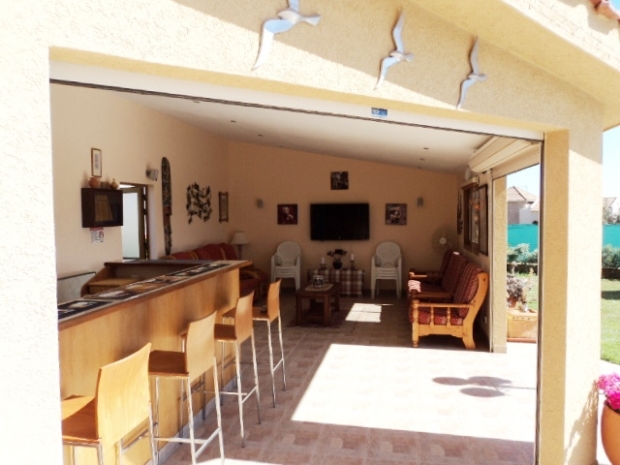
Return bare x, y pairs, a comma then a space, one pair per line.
386, 264
286, 263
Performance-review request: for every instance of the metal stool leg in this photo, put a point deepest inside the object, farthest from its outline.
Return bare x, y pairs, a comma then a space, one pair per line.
190, 421
256, 377
271, 369
239, 393
222, 369
157, 414
100, 454
218, 409
281, 352
154, 452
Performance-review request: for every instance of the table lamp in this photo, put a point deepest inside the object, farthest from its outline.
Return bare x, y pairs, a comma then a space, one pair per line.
239, 240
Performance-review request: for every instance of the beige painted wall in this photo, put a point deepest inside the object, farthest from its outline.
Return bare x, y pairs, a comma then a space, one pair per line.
279, 176
131, 138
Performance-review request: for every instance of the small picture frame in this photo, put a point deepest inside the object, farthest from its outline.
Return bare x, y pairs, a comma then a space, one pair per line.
483, 216
396, 213
287, 213
339, 180
96, 162
223, 206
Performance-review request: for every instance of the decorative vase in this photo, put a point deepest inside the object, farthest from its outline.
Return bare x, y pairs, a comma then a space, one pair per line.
93, 182
337, 264
610, 432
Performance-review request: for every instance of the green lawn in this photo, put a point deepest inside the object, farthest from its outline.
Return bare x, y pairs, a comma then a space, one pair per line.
610, 321
610, 315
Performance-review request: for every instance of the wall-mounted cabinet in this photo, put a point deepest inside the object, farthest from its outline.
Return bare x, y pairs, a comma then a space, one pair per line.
101, 207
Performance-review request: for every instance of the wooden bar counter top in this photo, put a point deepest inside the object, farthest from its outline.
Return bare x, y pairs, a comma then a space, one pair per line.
101, 328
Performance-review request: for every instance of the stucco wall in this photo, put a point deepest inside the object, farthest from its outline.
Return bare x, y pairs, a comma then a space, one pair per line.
29, 399
339, 61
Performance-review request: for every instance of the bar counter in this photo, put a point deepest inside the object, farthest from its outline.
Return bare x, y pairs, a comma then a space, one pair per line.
122, 320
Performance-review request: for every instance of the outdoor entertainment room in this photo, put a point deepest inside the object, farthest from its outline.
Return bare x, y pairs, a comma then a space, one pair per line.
358, 152
134, 132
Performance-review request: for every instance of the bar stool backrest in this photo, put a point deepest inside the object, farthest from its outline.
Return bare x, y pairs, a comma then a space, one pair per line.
123, 398
244, 323
200, 347
273, 300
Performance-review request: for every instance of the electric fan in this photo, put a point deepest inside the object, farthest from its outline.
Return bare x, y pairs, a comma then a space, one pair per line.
443, 239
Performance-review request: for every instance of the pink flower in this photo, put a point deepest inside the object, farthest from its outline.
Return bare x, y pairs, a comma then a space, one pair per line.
610, 385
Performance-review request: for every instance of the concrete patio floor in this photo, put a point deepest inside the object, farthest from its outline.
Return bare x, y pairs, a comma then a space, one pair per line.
358, 393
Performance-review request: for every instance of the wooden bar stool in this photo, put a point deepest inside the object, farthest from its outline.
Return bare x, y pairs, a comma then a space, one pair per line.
197, 357
273, 313
241, 329
122, 402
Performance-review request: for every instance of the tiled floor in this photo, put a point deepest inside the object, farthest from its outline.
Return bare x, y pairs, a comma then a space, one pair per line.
358, 393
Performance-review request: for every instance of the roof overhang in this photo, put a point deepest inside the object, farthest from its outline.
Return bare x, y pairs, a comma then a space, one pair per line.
591, 64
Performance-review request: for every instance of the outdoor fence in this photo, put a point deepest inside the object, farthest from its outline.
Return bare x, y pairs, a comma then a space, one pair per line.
528, 234
523, 249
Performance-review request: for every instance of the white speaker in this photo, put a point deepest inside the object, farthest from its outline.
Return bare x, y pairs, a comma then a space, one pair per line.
152, 174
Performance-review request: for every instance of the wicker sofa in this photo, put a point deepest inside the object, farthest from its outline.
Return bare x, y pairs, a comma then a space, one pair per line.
450, 307
250, 277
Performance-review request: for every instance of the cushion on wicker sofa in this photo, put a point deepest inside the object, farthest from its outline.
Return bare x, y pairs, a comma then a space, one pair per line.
447, 286
466, 289
454, 317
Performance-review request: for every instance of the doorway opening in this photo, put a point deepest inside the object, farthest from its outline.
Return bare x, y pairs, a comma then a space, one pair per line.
134, 231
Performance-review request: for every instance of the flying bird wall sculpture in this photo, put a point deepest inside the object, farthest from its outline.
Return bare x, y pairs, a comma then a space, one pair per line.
287, 19
397, 55
474, 76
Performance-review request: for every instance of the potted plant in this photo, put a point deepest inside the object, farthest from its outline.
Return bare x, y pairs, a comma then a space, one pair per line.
522, 321
610, 416
337, 255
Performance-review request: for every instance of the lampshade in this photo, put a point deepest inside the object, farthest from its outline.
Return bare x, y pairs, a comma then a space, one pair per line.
239, 238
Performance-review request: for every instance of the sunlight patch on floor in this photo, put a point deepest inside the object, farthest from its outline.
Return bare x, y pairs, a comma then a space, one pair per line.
366, 312
413, 390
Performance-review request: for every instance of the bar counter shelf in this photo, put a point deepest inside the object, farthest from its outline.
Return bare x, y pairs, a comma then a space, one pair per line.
156, 306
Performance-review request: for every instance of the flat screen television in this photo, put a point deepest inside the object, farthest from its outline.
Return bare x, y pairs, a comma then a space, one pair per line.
339, 221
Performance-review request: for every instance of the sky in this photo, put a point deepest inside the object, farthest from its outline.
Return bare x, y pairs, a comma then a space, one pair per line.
529, 179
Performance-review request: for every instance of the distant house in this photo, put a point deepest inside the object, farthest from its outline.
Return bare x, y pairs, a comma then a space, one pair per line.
523, 206
611, 205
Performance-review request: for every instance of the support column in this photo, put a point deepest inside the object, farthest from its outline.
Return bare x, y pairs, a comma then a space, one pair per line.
569, 344
498, 257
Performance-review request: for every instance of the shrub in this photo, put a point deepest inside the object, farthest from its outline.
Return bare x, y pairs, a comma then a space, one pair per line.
611, 257
521, 254
516, 290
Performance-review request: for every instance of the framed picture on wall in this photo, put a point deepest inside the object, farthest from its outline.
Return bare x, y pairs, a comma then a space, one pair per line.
287, 213
339, 180
483, 217
396, 213
223, 206
96, 162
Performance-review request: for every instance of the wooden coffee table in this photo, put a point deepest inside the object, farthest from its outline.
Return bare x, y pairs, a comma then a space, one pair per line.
327, 293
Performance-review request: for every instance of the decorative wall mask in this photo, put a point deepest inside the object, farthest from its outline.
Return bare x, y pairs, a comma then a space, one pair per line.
474, 76
166, 197
198, 202
397, 55
288, 18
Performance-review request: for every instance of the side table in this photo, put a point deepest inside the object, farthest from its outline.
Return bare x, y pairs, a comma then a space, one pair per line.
351, 281
325, 293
